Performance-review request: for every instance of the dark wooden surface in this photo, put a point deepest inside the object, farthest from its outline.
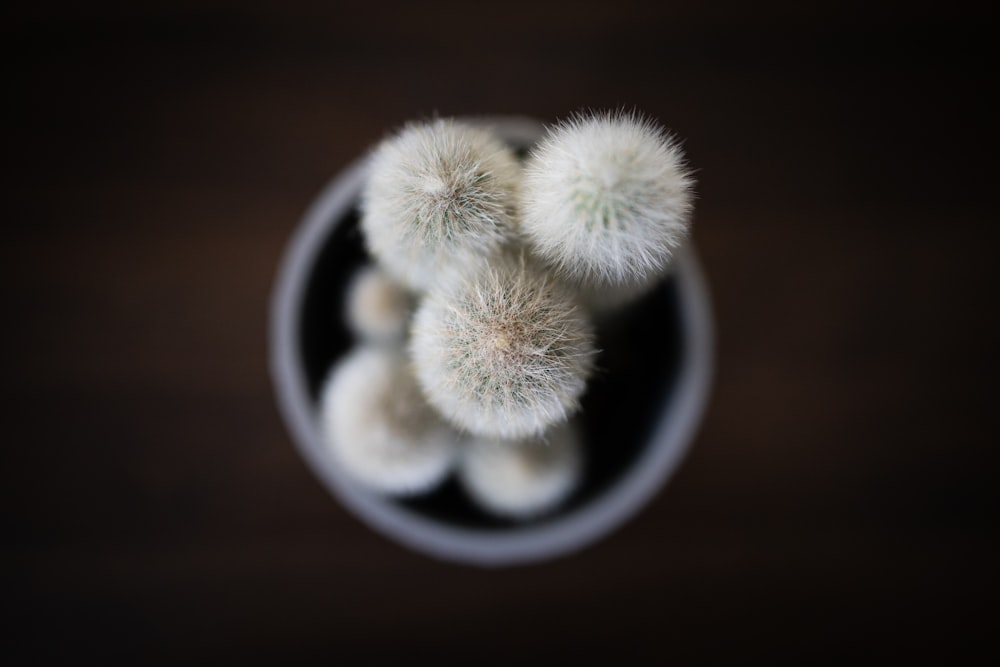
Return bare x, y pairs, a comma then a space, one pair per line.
840, 501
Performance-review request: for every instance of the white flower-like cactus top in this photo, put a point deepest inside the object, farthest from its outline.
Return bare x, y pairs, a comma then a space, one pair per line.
505, 352
440, 193
607, 199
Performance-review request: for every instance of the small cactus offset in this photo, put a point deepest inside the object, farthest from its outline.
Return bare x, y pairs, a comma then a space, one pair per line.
475, 340
378, 427
378, 309
522, 478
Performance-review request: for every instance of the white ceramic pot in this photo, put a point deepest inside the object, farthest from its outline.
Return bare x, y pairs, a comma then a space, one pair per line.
639, 417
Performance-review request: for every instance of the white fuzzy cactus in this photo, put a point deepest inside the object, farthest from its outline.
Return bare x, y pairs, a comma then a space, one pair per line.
525, 478
377, 309
505, 353
439, 194
606, 200
378, 427
506, 266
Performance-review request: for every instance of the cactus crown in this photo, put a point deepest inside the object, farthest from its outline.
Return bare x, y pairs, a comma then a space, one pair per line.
607, 199
505, 352
438, 192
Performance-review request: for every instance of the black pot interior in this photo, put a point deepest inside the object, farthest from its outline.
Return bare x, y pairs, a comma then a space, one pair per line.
637, 365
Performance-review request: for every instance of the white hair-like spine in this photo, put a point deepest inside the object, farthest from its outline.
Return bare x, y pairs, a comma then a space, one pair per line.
607, 199
505, 352
439, 193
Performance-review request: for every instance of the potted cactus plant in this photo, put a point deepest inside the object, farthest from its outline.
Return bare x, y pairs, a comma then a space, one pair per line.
492, 341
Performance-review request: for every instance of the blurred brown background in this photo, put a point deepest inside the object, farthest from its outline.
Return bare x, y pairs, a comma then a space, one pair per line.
839, 503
